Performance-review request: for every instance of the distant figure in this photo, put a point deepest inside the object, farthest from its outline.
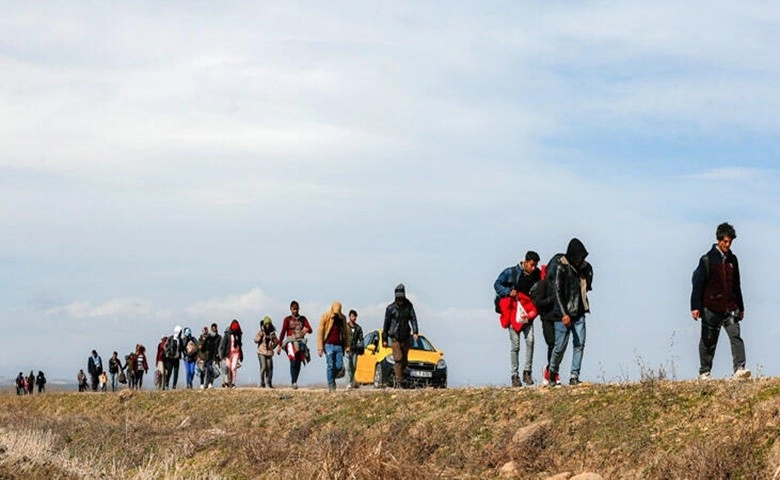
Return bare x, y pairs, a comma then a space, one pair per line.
266, 341
103, 382
173, 350
333, 341
81, 378
230, 349
141, 366
40, 381
20, 381
716, 299
292, 338
159, 364
209, 354
400, 324
356, 347
510, 284
130, 365
95, 368
189, 355
29, 383
571, 278
114, 367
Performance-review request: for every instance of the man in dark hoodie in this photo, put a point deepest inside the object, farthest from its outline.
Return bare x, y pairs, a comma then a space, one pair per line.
571, 278
716, 299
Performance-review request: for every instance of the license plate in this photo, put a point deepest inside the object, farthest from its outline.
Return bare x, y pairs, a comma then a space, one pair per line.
421, 374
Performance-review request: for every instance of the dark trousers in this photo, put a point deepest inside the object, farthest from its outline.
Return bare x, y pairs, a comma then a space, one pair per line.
95, 378
295, 370
401, 357
266, 369
548, 330
171, 367
711, 323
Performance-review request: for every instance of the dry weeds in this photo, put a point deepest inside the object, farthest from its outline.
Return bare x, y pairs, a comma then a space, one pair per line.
650, 430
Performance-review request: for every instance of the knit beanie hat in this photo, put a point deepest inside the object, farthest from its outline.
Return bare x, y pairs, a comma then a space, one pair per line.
400, 291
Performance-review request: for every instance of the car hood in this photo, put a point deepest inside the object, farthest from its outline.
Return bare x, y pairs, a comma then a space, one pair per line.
423, 356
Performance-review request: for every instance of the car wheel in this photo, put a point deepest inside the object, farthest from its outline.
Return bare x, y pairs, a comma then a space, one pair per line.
378, 383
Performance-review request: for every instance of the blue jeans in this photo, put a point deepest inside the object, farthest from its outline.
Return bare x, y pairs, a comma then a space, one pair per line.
190, 368
514, 351
334, 355
577, 331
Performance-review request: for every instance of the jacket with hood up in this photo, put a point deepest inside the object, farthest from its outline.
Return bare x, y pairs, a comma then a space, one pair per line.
326, 324
569, 283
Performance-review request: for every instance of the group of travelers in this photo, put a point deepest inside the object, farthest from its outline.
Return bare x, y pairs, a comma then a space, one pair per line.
26, 385
211, 355
557, 293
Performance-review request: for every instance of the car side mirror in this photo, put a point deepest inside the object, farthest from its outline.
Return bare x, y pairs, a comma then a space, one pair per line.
371, 348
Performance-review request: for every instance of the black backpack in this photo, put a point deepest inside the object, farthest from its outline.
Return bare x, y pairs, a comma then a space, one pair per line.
705, 259
172, 348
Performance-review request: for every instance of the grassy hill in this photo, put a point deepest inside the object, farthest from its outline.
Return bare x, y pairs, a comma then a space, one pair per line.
654, 429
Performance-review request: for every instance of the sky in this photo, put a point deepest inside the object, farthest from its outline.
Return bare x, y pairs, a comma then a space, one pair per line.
180, 163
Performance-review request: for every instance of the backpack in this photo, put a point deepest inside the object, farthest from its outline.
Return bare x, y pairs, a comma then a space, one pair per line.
172, 348
705, 259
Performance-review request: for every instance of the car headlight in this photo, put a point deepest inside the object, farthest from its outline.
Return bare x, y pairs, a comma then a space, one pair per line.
390, 359
441, 365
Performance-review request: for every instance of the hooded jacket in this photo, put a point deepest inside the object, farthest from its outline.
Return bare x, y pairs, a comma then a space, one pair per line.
326, 323
232, 331
569, 283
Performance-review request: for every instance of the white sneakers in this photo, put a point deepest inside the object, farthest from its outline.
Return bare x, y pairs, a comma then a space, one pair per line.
739, 374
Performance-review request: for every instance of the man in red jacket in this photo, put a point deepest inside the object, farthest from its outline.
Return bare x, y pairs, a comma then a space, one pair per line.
515, 280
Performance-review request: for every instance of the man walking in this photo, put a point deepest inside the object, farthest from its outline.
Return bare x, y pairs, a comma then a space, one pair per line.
356, 347
173, 353
292, 338
571, 277
716, 300
513, 280
333, 340
95, 368
400, 324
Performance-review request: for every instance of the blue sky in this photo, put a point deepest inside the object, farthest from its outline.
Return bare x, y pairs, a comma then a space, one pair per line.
178, 163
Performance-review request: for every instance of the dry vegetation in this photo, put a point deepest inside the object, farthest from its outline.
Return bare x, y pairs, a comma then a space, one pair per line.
653, 429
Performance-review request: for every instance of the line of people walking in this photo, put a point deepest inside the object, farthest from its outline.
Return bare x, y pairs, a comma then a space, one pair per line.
26, 385
211, 355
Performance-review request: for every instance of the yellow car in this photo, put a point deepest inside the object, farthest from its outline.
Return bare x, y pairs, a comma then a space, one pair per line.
426, 366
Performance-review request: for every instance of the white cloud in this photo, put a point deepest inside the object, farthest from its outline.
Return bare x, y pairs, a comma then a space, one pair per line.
119, 307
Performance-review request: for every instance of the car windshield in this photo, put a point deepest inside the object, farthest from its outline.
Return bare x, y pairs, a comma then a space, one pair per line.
422, 343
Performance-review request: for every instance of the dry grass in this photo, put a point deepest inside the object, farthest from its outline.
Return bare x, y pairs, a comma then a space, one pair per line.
651, 430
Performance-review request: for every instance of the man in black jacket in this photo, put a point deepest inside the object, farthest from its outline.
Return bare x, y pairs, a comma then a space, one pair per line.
400, 325
95, 368
716, 299
571, 278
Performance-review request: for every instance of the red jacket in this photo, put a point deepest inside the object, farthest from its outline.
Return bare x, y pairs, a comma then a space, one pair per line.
509, 307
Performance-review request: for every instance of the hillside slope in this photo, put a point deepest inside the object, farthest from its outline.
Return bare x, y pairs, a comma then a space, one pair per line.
655, 429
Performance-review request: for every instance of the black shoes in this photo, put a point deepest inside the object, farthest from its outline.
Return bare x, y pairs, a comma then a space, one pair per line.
516, 381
